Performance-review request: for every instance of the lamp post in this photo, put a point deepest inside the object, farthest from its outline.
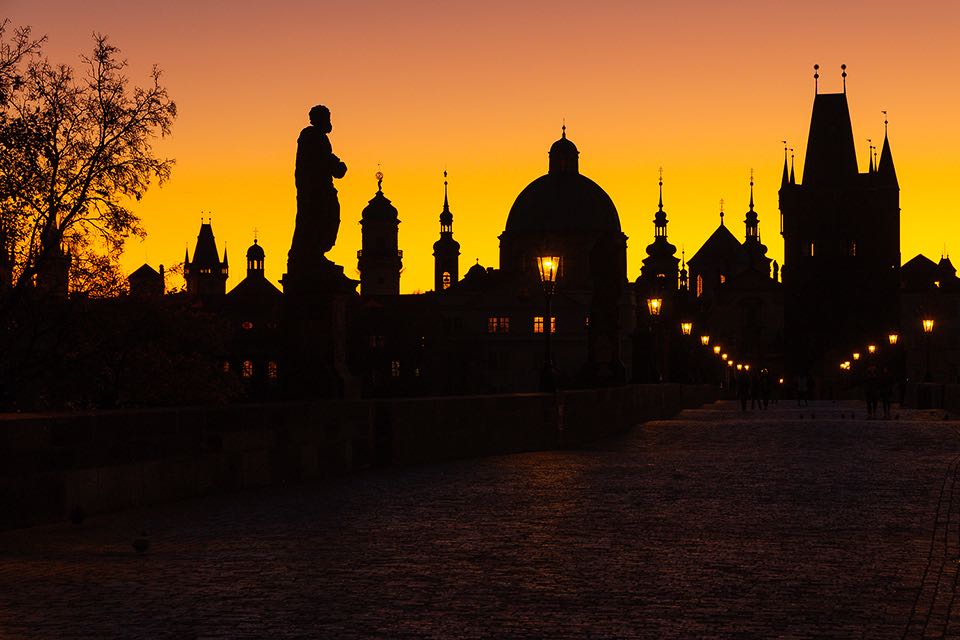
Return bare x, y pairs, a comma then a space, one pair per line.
927, 324
548, 266
654, 306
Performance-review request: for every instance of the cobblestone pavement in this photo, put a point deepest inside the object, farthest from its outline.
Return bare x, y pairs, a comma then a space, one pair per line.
715, 524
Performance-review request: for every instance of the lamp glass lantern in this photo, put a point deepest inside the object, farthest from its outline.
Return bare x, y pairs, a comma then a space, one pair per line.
705, 340
856, 355
871, 349
928, 325
686, 328
549, 267
893, 338
716, 349
654, 305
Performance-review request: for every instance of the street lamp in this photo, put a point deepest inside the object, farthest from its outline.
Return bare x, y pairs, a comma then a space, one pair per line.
893, 338
871, 349
717, 349
686, 328
705, 340
927, 330
654, 305
856, 355
548, 267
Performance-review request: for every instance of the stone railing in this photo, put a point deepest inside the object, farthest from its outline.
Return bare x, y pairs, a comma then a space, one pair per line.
53, 464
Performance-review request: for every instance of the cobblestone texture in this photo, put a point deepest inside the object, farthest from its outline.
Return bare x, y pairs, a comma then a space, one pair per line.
714, 524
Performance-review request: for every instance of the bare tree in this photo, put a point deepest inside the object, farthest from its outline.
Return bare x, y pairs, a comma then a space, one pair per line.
76, 151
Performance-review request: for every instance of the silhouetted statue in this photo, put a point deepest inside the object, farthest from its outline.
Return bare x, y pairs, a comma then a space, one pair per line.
318, 210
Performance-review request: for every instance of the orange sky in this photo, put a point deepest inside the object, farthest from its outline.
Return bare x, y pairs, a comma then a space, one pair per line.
705, 90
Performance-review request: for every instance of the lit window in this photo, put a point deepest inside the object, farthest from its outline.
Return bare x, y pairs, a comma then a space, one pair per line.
272, 370
723, 278
699, 286
395, 368
226, 367
810, 250
247, 325
247, 369
498, 324
586, 322
538, 324
852, 249
445, 279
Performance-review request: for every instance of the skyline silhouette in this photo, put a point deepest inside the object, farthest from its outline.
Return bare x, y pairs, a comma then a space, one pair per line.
480, 101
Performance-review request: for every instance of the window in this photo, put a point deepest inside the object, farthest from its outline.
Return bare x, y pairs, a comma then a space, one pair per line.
247, 369
538, 324
808, 249
699, 286
246, 325
852, 249
723, 278
586, 322
498, 324
226, 367
272, 370
395, 368
445, 279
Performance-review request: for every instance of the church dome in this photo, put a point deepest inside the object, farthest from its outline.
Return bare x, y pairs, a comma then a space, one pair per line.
563, 200
255, 252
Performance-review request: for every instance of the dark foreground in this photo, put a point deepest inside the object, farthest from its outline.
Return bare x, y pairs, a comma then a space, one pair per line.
712, 524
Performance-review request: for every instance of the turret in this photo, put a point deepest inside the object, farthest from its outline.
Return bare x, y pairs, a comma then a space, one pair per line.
446, 250
379, 261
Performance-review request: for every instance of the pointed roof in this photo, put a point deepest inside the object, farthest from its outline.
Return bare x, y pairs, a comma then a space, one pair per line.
720, 248
145, 271
785, 179
446, 216
205, 253
831, 154
917, 273
886, 172
379, 207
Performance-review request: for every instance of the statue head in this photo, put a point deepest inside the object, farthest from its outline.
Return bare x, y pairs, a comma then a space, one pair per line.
320, 117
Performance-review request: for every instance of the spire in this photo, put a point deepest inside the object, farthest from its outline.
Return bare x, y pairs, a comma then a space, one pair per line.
831, 151
885, 169
660, 218
816, 79
872, 168
793, 176
751, 221
225, 254
721, 212
446, 217
843, 75
785, 179
186, 256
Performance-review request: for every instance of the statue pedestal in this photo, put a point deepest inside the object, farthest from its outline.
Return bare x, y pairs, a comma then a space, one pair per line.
314, 328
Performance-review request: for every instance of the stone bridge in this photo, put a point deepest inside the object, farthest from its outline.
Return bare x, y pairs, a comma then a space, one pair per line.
791, 522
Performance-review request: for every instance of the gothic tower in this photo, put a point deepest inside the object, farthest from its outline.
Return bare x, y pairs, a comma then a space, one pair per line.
206, 275
659, 270
841, 233
379, 261
446, 250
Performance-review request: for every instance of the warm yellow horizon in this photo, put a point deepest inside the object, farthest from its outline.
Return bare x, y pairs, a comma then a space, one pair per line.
705, 91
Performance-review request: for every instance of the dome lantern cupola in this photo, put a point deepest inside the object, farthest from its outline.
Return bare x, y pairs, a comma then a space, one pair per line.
564, 155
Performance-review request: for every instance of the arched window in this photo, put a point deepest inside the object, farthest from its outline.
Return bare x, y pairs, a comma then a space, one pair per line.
445, 279
247, 369
272, 370
699, 286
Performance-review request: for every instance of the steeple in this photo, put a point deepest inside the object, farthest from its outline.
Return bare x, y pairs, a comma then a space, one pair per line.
446, 250
793, 176
660, 217
885, 170
206, 274
255, 260
785, 179
380, 260
831, 154
872, 168
721, 212
660, 266
751, 220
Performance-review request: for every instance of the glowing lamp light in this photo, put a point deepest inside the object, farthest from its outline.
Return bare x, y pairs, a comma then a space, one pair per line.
746, 367
780, 380
871, 349
928, 325
739, 367
548, 267
729, 363
705, 340
893, 338
856, 355
717, 349
686, 328
654, 305
724, 356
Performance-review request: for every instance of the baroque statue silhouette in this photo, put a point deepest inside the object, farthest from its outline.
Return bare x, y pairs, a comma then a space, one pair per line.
318, 209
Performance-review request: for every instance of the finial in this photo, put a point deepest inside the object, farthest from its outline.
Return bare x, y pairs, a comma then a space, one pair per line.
793, 179
870, 152
563, 129
751, 189
660, 204
683, 256
379, 180
843, 75
884, 122
446, 203
254, 235
784, 151
816, 78
721, 212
